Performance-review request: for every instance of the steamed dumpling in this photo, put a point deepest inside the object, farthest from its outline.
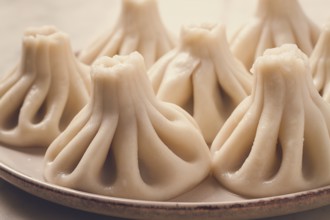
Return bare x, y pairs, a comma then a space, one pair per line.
277, 141
320, 63
125, 142
139, 28
44, 92
202, 76
276, 22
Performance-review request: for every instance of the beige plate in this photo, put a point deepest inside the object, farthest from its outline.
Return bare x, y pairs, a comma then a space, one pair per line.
23, 168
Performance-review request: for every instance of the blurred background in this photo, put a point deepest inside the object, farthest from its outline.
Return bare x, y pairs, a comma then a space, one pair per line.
83, 20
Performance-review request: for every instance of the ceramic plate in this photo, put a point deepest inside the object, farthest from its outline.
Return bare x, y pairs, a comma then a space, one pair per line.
23, 168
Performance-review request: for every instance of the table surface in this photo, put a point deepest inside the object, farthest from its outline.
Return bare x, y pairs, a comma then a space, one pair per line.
82, 20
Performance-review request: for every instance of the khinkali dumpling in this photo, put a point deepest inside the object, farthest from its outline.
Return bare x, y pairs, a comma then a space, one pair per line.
202, 76
44, 92
277, 141
125, 142
276, 22
320, 63
139, 28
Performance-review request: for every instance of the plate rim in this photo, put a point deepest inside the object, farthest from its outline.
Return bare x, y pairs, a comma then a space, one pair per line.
129, 208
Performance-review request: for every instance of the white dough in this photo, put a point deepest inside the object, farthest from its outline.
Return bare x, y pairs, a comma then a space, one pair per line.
277, 141
44, 92
276, 22
320, 63
202, 76
139, 28
125, 142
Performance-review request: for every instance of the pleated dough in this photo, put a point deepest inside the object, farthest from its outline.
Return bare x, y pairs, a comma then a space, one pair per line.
44, 92
125, 142
139, 28
320, 63
202, 76
275, 22
277, 141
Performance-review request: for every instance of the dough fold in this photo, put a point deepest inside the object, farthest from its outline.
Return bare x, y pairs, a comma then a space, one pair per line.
139, 28
320, 63
125, 142
276, 22
48, 87
277, 140
202, 76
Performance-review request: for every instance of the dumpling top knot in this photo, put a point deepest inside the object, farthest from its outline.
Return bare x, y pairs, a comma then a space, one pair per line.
288, 59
